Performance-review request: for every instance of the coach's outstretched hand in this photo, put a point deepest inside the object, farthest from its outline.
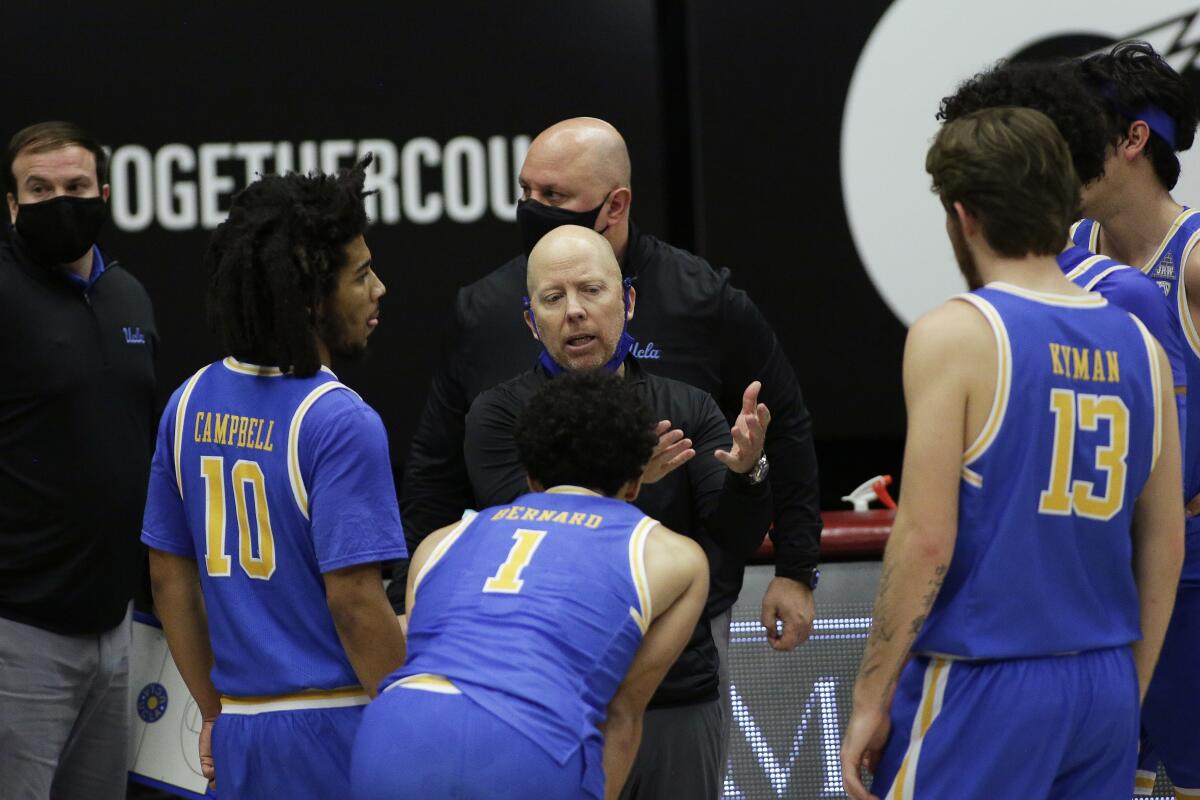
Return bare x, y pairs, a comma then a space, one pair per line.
749, 432
673, 450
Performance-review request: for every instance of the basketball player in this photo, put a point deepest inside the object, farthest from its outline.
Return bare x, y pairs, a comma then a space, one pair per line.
271, 502
539, 629
1151, 115
1039, 433
1062, 95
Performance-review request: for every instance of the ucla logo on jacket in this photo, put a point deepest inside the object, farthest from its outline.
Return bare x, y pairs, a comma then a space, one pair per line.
648, 351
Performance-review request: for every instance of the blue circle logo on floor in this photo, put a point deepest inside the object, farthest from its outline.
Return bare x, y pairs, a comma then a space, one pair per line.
152, 702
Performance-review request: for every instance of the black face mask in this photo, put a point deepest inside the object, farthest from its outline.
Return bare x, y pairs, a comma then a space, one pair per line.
536, 219
61, 230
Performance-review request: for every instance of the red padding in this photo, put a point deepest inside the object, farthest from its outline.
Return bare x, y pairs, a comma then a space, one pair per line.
848, 535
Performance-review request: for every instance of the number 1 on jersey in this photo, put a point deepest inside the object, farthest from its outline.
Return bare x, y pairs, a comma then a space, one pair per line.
507, 579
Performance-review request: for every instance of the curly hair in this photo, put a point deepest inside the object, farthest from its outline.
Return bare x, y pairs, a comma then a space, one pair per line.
1132, 76
588, 429
1056, 90
274, 260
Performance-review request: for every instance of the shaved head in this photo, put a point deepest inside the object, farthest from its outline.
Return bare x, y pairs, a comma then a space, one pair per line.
576, 173
578, 304
585, 146
567, 245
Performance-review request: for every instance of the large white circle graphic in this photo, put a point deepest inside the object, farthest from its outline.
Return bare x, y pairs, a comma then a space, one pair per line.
917, 54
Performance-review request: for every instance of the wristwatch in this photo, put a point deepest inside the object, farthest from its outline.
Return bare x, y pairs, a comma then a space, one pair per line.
758, 473
808, 577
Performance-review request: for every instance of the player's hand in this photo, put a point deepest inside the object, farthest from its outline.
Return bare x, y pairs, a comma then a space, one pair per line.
866, 734
673, 450
791, 603
206, 759
1193, 506
749, 432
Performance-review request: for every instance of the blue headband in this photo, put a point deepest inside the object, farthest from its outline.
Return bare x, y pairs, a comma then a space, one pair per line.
624, 344
1156, 119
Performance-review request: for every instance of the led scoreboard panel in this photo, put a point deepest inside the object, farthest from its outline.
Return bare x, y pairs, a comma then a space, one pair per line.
789, 709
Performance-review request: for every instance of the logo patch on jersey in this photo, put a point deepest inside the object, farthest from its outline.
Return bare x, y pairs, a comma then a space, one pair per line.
152, 702
1165, 268
649, 351
897, 225
1165, 286
134, 335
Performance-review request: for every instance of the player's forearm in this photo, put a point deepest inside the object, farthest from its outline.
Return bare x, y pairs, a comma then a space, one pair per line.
180, 607
622, 736
371, 636
913, 571
1156, 564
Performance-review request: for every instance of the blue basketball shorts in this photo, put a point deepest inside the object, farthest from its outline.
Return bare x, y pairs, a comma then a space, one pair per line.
1064, 727
1171, 711
278, 754
421, 744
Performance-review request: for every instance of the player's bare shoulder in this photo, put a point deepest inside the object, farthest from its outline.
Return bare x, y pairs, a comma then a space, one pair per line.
955, 334
673, 562
1190, 282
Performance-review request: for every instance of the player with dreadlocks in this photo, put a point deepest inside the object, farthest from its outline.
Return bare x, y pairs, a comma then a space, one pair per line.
271, 501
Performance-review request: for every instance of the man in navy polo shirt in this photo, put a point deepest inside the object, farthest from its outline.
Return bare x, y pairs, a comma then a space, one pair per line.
76, 429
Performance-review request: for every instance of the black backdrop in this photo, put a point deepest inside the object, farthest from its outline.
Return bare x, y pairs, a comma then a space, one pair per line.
731, 111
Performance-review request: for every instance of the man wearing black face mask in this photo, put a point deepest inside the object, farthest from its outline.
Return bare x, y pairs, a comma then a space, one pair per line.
76, 433
691, 325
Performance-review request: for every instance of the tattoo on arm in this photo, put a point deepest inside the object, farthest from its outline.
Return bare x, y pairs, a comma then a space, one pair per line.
883, 628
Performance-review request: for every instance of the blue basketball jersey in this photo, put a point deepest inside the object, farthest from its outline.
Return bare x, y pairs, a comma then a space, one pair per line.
535, 611
1042, 563
269, 481
1165, 268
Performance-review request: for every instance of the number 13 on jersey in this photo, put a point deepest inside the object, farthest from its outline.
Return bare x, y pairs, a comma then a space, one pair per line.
1074, 411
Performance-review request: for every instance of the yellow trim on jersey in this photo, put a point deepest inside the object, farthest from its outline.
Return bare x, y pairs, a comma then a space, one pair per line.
258, 370
1104, 274
1094, 237
637, 571
243, 368
1074, 227
1181, 792
995, 417
426, 682
1185, 311
1156, 382
1090, 300
1084, 266
299, 490
296, 701
442, 547
569, 489
972, 477
936, 676
1183, 217
180, 416
1143, 784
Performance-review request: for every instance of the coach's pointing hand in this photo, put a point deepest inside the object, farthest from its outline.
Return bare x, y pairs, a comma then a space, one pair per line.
749, 432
